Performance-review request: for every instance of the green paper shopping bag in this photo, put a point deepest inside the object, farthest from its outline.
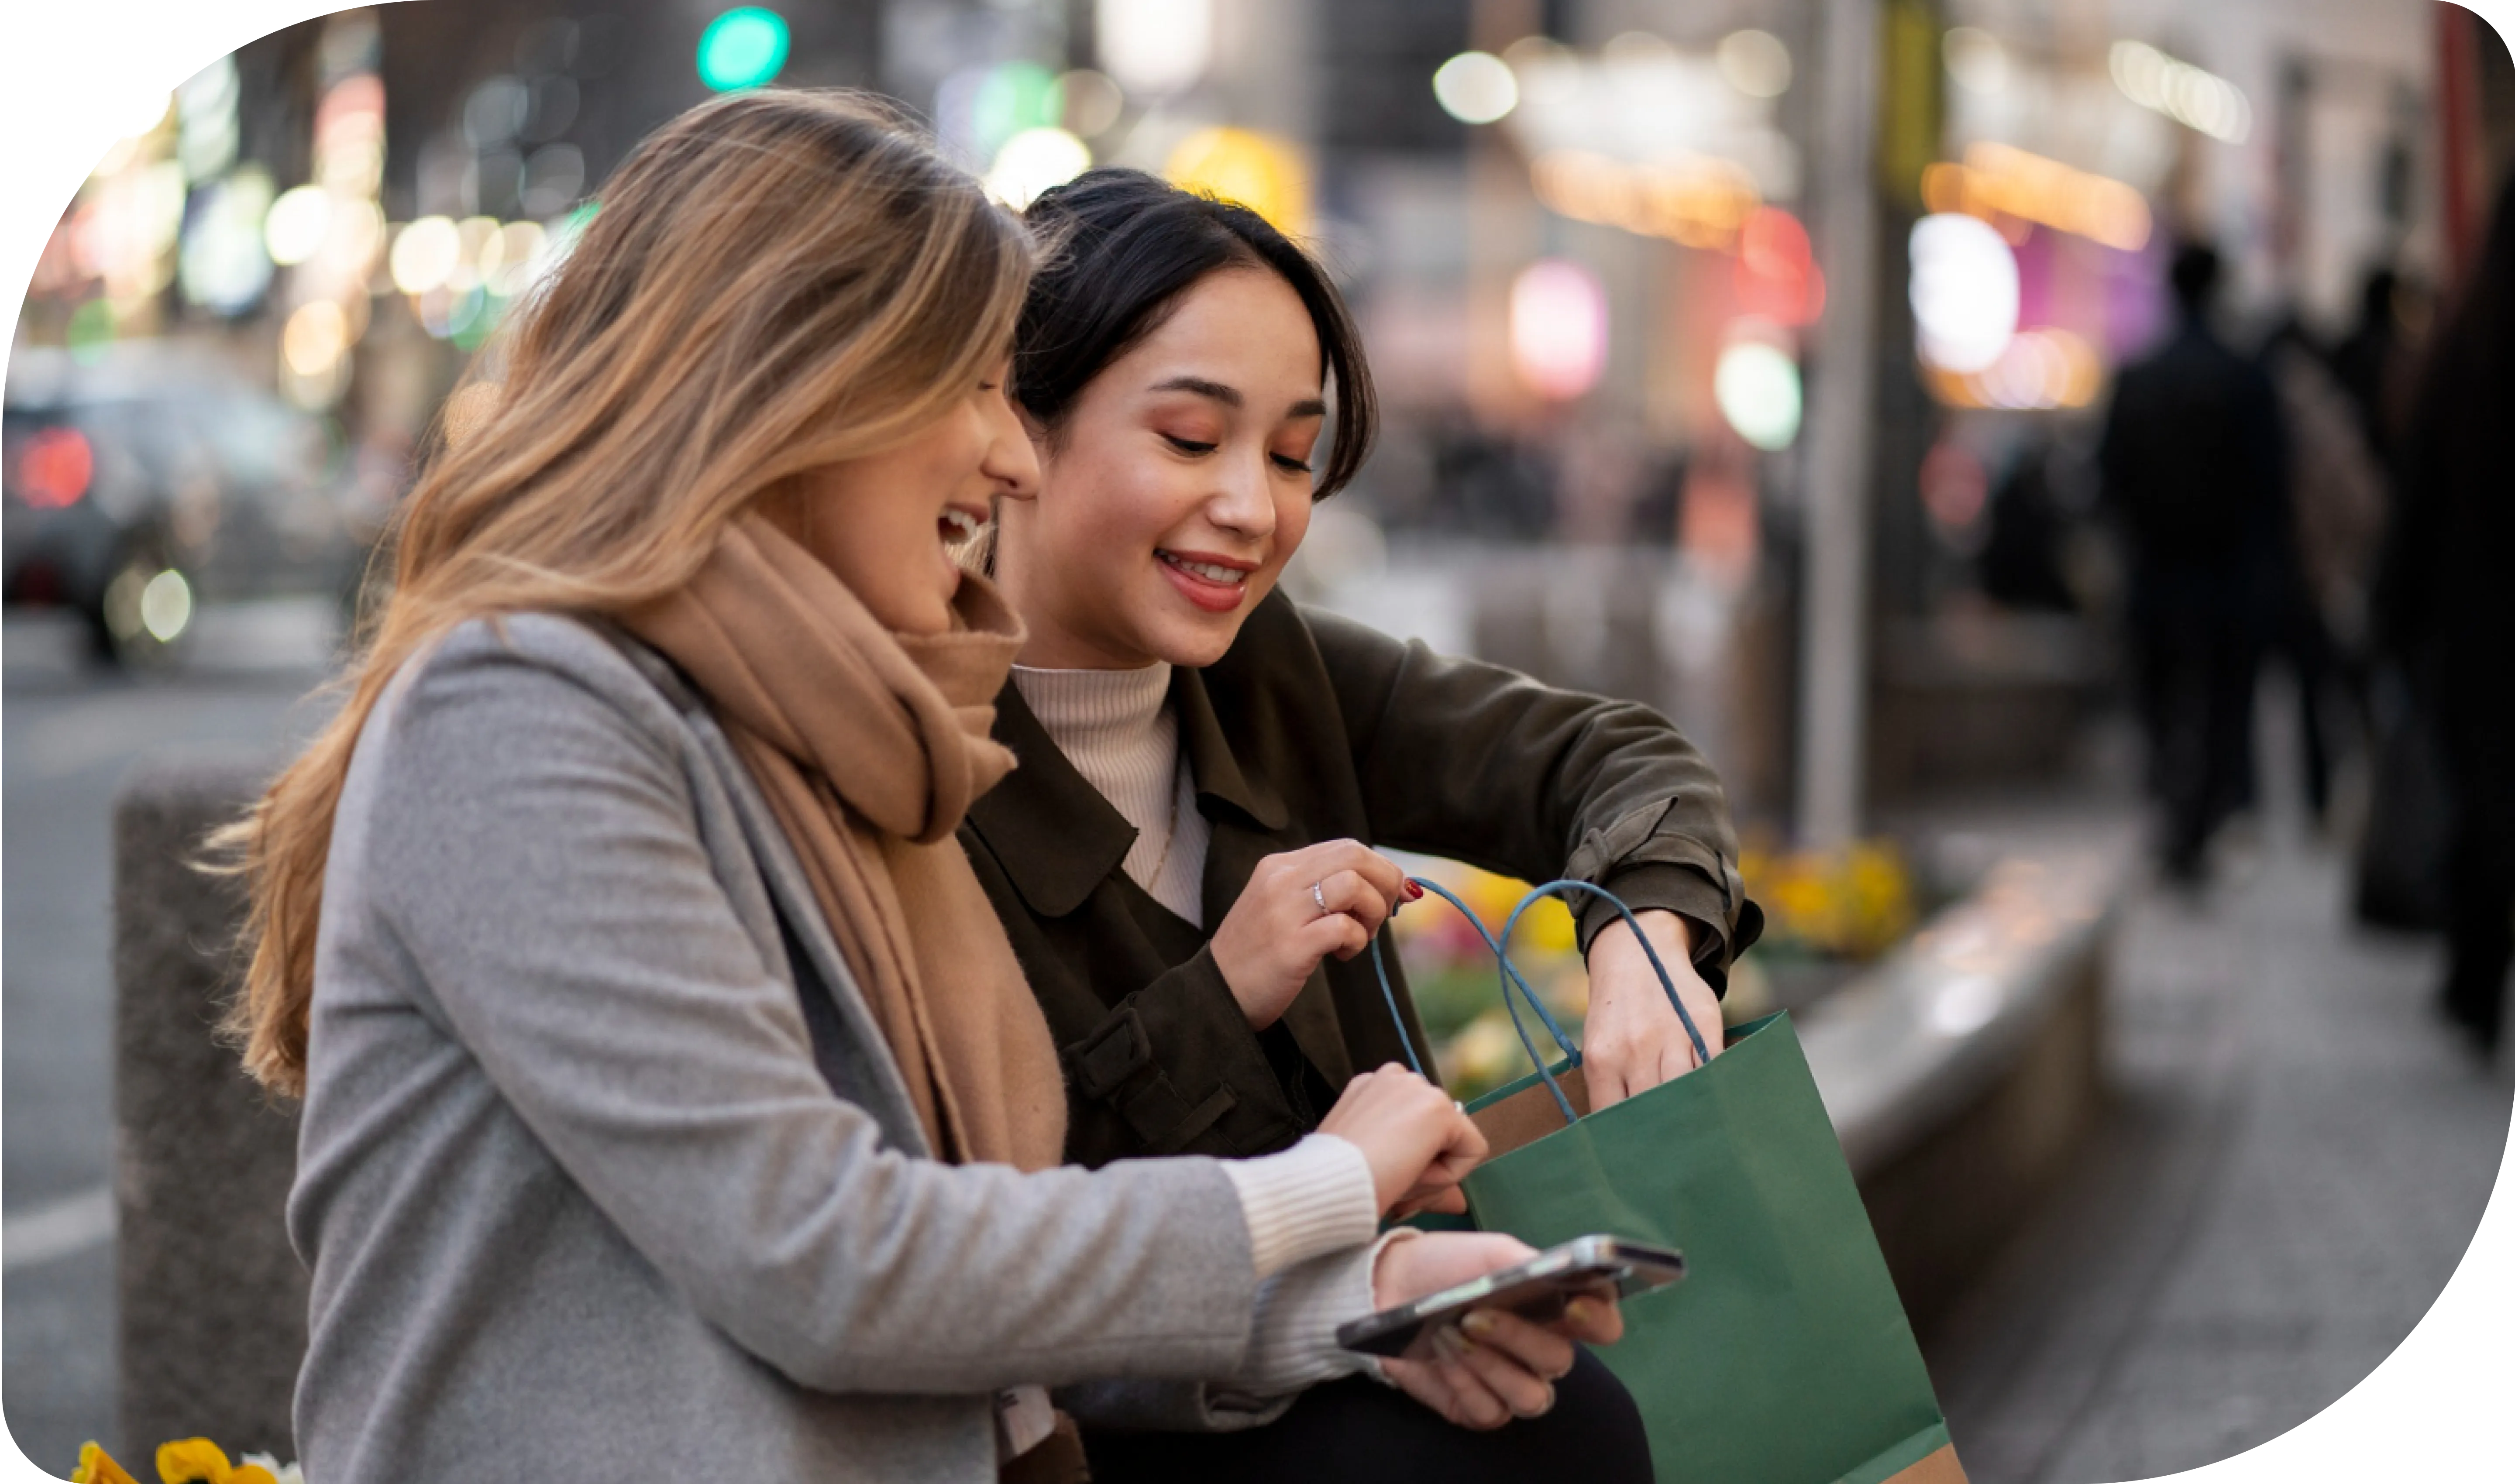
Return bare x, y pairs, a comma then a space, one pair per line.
1785, 1357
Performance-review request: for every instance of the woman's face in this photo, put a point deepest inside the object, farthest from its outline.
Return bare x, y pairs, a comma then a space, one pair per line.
1177, 488
884, 523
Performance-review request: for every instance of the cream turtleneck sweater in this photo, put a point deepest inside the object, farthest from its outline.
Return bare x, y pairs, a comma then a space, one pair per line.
1118, 729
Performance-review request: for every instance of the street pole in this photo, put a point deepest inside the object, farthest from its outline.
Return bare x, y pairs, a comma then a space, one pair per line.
1834, 598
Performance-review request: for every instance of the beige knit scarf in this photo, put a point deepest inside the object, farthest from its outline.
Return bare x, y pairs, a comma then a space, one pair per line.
870, 746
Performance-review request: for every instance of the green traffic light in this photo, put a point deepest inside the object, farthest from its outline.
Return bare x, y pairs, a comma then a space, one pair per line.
742, 48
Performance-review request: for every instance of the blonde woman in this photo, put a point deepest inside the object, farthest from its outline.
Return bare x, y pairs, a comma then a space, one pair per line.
673, 1104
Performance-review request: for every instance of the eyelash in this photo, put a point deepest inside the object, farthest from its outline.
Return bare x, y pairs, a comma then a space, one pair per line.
1283, 462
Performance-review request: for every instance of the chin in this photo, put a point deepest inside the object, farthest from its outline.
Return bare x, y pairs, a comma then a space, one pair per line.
1195, 644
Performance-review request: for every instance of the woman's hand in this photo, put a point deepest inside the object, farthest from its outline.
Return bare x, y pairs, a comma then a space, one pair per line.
1633, 1040
1300, 907
1494, 1366
1419, 1142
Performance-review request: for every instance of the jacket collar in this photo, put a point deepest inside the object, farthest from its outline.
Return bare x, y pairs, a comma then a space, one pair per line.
1058, 839
1218, 774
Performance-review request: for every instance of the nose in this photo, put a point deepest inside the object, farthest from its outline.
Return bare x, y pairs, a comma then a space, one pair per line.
1242, 503
1011, 462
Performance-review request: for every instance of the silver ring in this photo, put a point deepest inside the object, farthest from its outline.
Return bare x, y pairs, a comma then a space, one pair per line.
1319, 896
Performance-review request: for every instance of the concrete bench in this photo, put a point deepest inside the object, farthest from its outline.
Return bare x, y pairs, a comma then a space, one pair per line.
213, 1298
1962, 1070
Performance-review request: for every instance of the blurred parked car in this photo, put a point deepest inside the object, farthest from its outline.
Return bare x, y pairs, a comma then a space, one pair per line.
144, 486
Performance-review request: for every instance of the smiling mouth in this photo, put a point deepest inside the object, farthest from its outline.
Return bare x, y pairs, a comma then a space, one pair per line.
959, 525
1206, 571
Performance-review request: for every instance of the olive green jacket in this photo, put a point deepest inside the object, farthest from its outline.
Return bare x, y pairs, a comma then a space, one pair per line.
1315, 727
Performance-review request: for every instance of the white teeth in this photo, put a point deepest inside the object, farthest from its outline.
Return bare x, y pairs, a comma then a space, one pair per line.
1207, 569
961, 524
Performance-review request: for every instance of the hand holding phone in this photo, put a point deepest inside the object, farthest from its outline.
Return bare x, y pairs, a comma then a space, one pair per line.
1537, 1290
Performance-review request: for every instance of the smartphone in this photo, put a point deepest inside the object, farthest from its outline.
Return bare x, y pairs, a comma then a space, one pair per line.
1536, 1290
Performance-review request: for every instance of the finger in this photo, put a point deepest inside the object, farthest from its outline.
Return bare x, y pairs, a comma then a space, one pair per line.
1450, 1201
1385, 877
1430, 1192
1606, 1076
1431, 1182
1480, 1406
1538, 1350
1610, 1072
1335, 933
1514, 1385
1595, 1320
1467, 1147
1348, 892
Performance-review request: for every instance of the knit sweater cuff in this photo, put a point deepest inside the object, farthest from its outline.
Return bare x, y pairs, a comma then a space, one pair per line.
1291, 1335
1310, 1200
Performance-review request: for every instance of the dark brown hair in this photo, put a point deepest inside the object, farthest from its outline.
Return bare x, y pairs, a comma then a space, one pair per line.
1119, 248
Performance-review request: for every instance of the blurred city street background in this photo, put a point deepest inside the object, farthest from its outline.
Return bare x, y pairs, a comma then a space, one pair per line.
1764, 360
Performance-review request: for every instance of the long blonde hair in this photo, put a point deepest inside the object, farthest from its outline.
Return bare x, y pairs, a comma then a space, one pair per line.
774, 281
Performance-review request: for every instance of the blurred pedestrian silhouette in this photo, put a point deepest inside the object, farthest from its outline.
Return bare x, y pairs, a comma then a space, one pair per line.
2377, 365
2336, 499
2447, 605
2193, 466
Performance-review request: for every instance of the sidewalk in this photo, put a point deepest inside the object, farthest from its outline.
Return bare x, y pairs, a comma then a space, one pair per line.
2295, 1157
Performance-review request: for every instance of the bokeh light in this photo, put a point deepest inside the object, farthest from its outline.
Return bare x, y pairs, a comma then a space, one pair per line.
315, 338
1777, 276
166, 607
1034, 160
1015, 99
297, 224
511, 260
2040, 369
1264, 172
1999, 182
1757, 388
425, 255
55, 470
743, 48
224, 268
1965, 291
1697, 203
1755, 63
1975, 59
1155, 47
1476, 87
1558, 328
2189, 95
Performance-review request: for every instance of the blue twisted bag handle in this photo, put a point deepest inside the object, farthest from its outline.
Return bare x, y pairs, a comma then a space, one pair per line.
1510, 976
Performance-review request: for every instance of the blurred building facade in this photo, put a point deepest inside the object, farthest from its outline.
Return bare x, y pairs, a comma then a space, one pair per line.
1582, 236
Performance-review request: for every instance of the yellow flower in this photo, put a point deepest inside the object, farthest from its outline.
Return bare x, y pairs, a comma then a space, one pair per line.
199, 1460
96, 1466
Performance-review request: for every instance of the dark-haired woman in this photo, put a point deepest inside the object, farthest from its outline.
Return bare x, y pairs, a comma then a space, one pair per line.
1185, 858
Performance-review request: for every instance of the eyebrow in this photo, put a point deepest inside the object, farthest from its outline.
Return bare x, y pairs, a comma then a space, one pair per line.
1230, 396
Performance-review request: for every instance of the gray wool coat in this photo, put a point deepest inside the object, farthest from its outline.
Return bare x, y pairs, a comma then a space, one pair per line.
580, 1199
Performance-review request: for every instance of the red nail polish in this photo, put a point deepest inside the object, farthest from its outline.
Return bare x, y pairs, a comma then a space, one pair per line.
1414, 888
